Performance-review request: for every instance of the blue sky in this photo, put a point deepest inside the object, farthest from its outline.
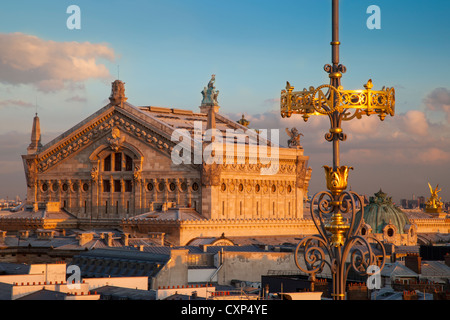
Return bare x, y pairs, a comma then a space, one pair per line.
167, 51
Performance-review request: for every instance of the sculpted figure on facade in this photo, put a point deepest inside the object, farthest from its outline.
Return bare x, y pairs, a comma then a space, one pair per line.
94, 174
32, 172
294, 135
137, 175
116, 140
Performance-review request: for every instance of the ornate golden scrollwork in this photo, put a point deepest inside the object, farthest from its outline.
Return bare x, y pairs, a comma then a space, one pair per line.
317, 102
336, 180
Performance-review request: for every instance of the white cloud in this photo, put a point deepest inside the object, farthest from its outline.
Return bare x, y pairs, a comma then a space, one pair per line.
413, 122
50, 65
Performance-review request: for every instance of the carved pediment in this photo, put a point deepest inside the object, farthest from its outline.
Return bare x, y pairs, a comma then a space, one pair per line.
114, 125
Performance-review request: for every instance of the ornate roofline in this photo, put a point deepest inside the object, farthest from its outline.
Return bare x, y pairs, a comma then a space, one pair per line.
98, 125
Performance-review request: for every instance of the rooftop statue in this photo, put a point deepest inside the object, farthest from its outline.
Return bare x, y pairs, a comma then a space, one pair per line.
243, 121
294, 141
434, 203
210, 93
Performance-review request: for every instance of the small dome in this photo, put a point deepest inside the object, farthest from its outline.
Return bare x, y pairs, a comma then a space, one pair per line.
381, 211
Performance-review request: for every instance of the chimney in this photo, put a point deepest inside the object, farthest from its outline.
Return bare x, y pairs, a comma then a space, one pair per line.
109, 239
45, 234
84, 238
24, 234
447, 259
414, 262
125, 237
2, 236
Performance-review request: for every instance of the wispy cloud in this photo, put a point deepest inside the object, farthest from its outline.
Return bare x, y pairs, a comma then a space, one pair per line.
15, 103
76, 98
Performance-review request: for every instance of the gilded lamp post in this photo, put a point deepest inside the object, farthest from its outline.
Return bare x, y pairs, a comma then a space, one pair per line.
339, 239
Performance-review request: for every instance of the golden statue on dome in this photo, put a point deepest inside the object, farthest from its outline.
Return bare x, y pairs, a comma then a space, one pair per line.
434, 203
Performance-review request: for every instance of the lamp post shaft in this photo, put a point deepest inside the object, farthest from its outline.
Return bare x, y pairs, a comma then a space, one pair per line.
335, 33
335, 78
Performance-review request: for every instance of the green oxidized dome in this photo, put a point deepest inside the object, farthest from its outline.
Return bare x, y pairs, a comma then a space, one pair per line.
381, 211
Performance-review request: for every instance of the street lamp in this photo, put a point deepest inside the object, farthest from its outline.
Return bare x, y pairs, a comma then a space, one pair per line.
338, 239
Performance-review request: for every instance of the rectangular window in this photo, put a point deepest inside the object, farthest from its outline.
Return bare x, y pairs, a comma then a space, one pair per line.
106, 186
128, 206
128, 186
107, 163
106, 206
117, 186
118, 161
128, 163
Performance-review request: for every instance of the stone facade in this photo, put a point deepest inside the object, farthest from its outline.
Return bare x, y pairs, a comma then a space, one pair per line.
116, 167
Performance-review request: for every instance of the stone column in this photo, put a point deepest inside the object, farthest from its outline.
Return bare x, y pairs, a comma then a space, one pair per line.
111, 197
94, 198
122, 206
69, 194
35, 191
144, 203
99, 197
155, 190
189, 194
39, 191
80, 198
166, 190
58, 182
135, 198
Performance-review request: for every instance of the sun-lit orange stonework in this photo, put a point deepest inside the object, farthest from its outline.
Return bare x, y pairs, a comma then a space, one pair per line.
115, 169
